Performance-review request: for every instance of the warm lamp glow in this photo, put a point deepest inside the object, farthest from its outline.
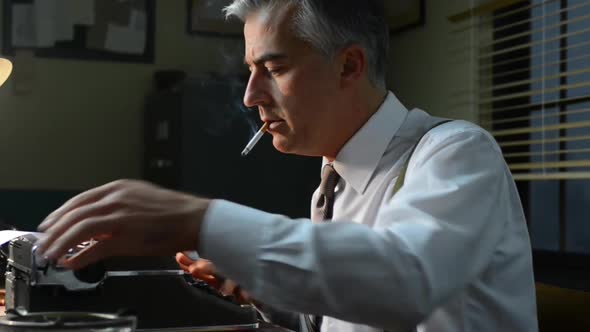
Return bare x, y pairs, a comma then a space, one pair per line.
5, 70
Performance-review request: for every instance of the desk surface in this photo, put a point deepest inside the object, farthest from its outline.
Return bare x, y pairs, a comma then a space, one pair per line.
264, 327
271, 328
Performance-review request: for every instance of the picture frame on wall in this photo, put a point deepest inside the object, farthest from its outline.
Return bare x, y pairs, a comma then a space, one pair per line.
405, 14
120, 31
206, 17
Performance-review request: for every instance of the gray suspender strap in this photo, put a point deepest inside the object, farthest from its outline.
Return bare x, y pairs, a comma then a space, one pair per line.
402, 174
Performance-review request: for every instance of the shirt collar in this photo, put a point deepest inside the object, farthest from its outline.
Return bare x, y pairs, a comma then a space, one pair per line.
359, 157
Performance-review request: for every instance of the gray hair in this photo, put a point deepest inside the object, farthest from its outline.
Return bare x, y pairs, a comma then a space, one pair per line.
330, 25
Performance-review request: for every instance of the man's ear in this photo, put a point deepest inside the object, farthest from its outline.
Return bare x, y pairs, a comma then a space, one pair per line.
354, 64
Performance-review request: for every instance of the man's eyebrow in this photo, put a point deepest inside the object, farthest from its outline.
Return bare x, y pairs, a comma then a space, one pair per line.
268, 57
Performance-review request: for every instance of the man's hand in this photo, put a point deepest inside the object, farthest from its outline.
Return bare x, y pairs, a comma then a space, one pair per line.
127, 218
205, 270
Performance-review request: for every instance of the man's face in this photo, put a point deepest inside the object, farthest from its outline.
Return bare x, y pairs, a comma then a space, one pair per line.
295, 88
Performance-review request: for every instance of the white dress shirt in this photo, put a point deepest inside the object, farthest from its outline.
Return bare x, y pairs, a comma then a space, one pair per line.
449, 252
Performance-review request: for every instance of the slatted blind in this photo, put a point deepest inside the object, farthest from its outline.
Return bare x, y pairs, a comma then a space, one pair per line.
530, 82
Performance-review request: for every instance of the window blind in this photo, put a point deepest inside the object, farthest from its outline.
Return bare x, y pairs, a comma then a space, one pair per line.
530, 82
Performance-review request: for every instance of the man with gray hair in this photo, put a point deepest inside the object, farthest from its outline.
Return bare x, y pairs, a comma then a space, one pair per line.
417, 223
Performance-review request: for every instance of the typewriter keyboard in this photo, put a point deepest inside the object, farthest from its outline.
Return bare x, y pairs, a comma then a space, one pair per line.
205, 287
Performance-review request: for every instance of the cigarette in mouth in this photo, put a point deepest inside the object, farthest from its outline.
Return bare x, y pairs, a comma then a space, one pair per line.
255, 139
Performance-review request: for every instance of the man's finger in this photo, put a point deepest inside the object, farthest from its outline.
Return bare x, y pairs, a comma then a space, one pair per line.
182, 262
57, 244
184, 267
91, 254
84, 198
202, 266
75, 216
183, 259
229, 288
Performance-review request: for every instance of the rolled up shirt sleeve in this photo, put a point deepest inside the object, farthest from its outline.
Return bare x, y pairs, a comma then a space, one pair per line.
432, 239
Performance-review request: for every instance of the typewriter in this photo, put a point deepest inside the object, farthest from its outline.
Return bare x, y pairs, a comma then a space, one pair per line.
152, 289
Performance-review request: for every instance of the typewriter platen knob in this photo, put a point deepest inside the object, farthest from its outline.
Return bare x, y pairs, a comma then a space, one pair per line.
92, 273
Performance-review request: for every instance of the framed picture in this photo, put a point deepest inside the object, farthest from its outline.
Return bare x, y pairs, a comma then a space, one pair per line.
405, 14
206, 17
122, 31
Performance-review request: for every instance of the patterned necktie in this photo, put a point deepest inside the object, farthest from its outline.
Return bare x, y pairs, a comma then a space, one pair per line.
324, 206
322, 211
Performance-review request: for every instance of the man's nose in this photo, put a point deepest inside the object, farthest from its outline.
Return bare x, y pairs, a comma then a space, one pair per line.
257, 91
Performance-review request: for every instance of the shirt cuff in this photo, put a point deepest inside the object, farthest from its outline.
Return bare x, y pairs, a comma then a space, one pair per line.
230, 237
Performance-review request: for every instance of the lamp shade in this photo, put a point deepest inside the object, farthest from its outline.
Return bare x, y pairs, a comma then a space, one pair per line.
5, 70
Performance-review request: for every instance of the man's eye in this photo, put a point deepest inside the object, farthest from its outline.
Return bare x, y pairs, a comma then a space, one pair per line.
274, 71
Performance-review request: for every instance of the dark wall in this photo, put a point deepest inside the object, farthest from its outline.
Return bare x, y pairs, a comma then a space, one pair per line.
25, 209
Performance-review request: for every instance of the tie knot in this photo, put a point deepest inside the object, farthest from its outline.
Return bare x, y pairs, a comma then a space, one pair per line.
330, 179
